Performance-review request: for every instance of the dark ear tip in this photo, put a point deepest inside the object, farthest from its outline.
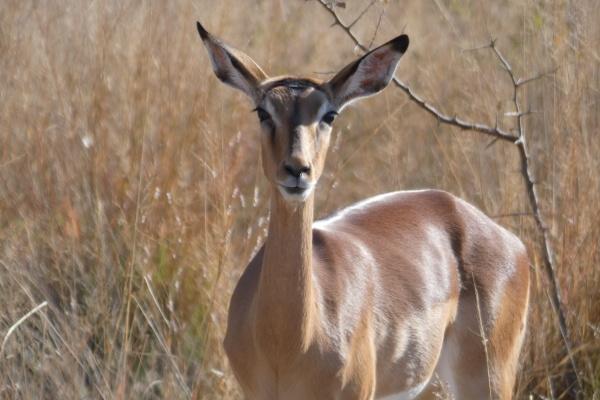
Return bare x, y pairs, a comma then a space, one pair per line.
203, 33
401, 43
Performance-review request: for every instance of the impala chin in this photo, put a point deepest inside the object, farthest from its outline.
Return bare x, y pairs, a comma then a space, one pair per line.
296, 194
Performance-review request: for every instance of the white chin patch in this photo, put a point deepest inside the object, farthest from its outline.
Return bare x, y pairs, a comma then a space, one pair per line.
295, 197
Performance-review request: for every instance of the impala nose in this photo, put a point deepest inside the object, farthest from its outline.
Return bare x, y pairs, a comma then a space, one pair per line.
296, 170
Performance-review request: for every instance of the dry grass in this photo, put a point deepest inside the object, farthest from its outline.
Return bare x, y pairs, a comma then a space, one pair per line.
131, 193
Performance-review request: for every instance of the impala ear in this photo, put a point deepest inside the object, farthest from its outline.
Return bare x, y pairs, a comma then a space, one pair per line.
369, 74
232, 66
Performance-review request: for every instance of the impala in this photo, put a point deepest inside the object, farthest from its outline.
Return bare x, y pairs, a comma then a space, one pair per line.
390, 298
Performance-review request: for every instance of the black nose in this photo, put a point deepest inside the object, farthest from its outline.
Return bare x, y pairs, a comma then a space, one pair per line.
297, 170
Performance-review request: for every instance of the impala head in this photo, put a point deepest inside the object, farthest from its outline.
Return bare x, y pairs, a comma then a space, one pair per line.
296, 114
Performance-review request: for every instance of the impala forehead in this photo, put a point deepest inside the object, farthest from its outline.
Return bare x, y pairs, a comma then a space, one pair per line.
296, 104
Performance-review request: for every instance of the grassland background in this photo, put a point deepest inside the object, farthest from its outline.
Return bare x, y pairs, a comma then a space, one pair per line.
131, 193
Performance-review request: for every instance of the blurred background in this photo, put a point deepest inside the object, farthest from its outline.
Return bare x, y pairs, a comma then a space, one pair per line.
132, 196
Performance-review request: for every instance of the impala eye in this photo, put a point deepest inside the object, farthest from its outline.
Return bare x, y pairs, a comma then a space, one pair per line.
262, 114
329, 117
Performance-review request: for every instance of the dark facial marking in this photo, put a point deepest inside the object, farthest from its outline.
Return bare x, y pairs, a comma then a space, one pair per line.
294, 84
296, 118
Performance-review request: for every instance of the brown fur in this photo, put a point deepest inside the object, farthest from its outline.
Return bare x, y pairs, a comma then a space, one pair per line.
381, 298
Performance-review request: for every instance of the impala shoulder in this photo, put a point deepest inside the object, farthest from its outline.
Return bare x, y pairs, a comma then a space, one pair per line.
339, 252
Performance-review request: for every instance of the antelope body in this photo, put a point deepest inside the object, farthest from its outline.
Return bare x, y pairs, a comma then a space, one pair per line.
400, 296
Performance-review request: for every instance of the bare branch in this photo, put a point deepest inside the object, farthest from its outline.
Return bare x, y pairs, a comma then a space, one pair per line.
338, 21
530, 183
376, 28
503, 61
482, 47
518, 114
442, 118
494, 131
506, 65
362, 13
491, 143
335, 3
525, 81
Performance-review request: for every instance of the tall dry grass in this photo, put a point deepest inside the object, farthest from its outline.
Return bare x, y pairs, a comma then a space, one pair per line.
131, 193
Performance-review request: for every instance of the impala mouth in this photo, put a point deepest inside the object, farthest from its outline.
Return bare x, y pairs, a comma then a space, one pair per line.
294, 189
299, 192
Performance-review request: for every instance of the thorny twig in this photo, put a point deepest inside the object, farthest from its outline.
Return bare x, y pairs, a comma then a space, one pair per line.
494, 131
376, 28
534, 200
517, 139
362, 13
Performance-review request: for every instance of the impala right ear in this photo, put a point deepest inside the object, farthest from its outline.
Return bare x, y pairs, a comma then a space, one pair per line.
232, 66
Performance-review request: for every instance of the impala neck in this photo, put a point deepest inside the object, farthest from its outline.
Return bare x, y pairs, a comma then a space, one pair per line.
285, 298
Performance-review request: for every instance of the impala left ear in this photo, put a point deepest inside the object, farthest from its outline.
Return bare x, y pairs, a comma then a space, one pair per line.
232, 66
369, 74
